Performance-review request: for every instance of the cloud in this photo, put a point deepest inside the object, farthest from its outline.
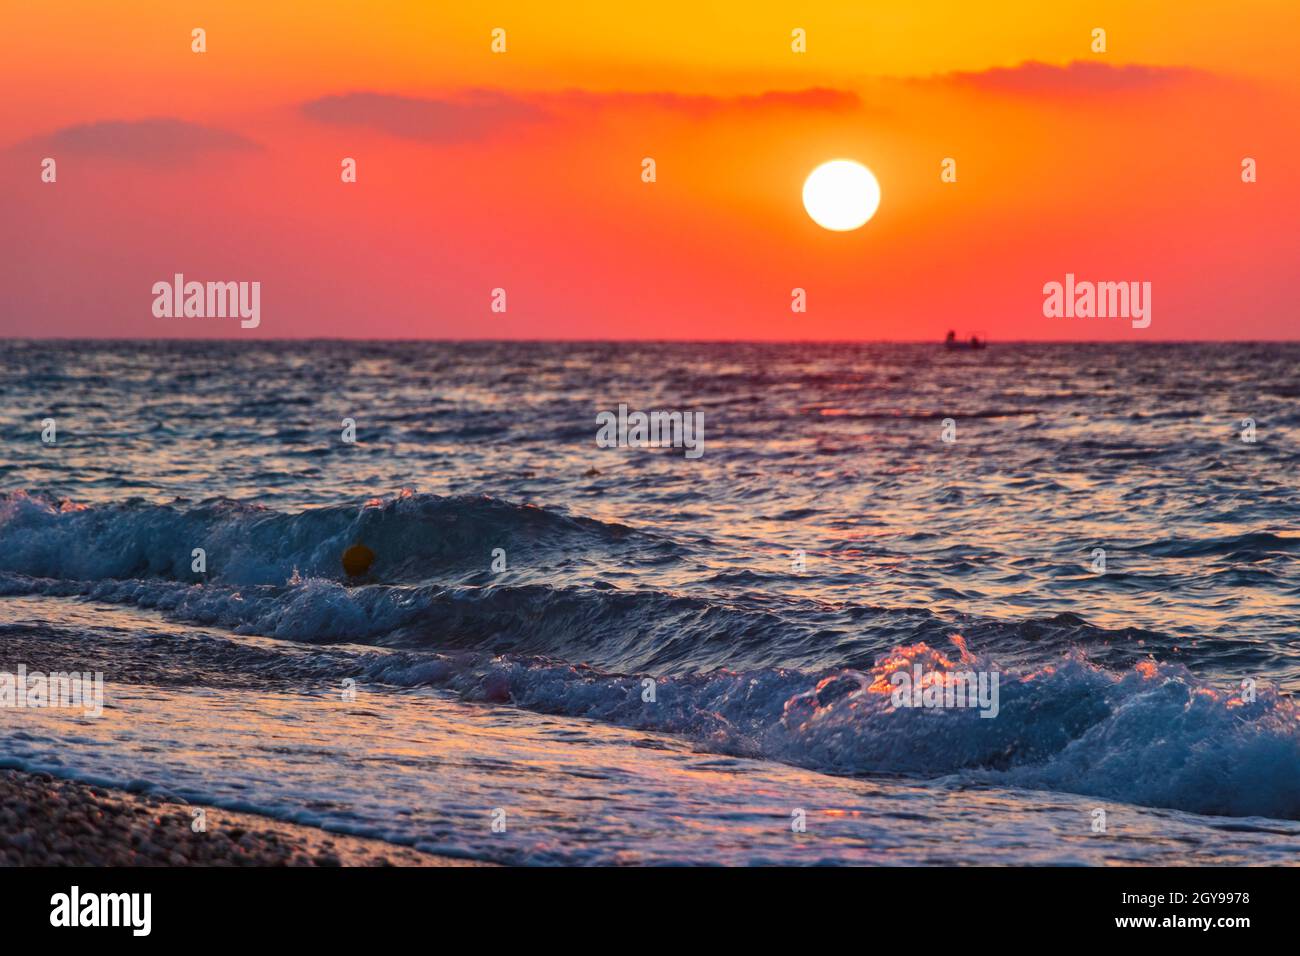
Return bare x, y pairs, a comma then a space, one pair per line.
822, 99
470, 116
476, 114
1077, 78
158, 141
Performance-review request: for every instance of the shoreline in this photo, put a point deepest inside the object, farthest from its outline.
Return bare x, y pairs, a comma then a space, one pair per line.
48, 821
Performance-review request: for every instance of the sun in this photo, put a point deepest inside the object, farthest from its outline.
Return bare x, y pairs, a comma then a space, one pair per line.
841, 195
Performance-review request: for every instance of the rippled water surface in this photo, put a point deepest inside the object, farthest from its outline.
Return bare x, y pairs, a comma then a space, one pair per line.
827, 535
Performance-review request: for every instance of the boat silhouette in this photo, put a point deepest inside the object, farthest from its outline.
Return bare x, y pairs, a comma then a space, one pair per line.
974, 342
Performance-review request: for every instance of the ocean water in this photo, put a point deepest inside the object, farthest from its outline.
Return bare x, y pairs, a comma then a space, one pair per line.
827, 537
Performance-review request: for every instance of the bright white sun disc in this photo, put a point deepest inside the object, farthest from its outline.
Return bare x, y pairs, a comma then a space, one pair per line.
841, 195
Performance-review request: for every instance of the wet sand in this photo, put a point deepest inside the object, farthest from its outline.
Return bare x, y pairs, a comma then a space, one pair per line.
45, 821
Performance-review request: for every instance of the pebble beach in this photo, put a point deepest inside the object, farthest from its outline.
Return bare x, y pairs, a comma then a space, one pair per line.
45, 821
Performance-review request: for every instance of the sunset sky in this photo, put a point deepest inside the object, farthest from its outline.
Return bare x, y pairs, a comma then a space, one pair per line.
522, 170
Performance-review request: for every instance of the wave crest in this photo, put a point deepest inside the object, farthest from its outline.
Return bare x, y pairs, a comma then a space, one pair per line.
414, 536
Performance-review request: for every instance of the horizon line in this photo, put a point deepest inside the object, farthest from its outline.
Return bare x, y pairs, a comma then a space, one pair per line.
635, 341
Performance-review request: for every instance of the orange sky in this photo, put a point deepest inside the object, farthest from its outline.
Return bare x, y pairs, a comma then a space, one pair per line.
522, 170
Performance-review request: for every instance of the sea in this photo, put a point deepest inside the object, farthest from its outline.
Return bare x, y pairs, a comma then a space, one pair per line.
569, 653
